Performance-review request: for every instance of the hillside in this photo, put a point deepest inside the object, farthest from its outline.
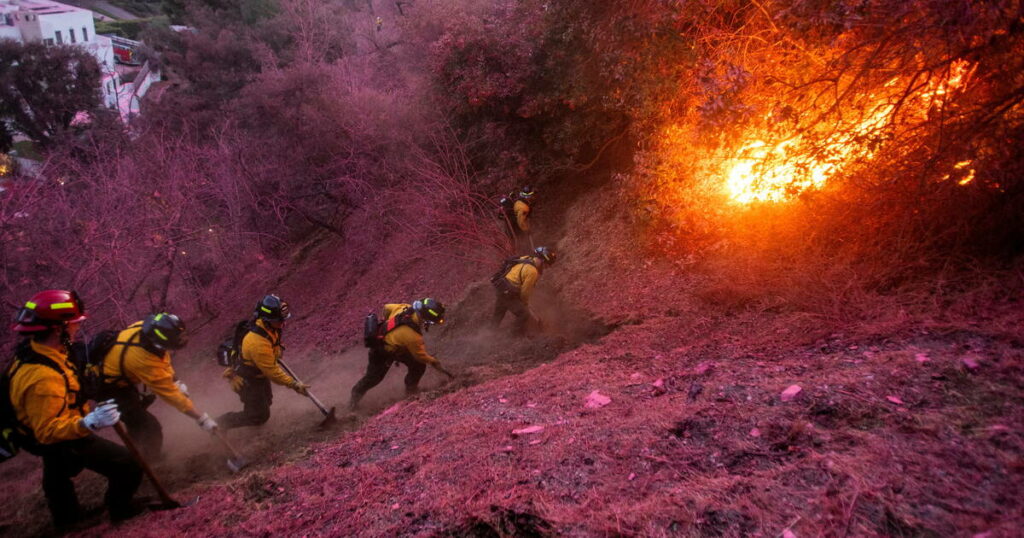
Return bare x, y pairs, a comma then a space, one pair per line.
787, 297
903, 425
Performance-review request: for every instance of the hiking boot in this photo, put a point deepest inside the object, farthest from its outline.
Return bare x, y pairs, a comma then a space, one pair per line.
134, 508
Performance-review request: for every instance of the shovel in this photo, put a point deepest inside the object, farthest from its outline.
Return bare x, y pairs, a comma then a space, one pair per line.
329, 417
166, 501
236, 462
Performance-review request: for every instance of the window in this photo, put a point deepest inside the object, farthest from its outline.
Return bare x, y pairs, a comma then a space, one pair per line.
48, 41
71, 32
85, 34
60, 40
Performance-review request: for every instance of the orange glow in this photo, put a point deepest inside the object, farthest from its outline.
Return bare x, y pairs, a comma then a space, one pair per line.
763, 173
969, 177
959, 72
765, 170
970, 173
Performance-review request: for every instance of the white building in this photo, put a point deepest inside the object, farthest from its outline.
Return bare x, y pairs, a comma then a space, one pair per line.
54, 23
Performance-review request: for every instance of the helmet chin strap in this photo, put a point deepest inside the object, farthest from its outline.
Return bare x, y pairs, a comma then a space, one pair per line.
65, 338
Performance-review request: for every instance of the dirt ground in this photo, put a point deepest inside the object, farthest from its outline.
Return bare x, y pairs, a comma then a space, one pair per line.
193, 460
893, 435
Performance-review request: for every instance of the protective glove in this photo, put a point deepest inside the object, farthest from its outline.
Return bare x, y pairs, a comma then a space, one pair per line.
206, 423
301, 388
236, 381
183, 388
104, 416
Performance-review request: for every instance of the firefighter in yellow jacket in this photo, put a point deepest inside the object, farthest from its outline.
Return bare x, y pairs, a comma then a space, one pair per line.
517, 216
401, 341
141, 354
51, 420
514, 286
261, 350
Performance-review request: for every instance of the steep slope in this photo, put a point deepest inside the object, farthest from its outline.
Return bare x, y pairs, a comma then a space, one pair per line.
902, 426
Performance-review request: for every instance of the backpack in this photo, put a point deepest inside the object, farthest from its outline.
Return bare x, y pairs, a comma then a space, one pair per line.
506, 206
13, 434
507, 209
375, 329
88, 361
229, 352
498, 279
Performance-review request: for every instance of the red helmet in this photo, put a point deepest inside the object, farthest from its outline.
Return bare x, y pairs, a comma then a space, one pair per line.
49, 309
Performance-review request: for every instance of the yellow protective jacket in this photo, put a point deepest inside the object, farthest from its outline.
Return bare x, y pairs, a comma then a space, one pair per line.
522, 212
523, 276
143, 366
404, 339
42, 402
263, 354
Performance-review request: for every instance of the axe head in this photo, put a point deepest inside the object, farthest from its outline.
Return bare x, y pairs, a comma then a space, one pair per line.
329, 419
171, 504
237, 464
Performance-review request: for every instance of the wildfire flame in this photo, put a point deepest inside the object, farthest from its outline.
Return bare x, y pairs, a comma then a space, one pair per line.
967, 178
763, 170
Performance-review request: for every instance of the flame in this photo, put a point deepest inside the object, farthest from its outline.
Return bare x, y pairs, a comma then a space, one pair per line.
763, 170
959, 72
773, 173
969, 177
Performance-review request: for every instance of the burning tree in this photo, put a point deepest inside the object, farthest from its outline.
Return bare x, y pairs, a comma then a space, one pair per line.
884, 114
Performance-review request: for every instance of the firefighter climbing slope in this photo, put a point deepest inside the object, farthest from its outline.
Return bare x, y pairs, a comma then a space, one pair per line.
514, 283
398, 337
516, 208
45, 415
141, 354
257, 365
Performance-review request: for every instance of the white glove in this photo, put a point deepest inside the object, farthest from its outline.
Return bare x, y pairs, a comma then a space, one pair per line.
182, 387
206, 423
104, 416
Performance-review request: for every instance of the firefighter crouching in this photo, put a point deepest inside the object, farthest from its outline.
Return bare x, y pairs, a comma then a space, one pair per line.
51, 422
400, 339
141, 354
514, 285
260, 351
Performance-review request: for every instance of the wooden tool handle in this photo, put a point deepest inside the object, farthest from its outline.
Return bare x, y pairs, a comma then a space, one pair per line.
122, 432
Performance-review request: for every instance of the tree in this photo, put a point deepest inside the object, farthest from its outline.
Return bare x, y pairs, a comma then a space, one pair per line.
247, 12
43, 88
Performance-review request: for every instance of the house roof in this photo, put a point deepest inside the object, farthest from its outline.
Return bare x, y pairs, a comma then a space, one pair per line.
45, 7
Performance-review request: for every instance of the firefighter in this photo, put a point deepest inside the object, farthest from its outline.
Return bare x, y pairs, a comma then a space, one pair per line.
517, 217
402, 342
261, 350
514, 285
141, 354
52, 423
